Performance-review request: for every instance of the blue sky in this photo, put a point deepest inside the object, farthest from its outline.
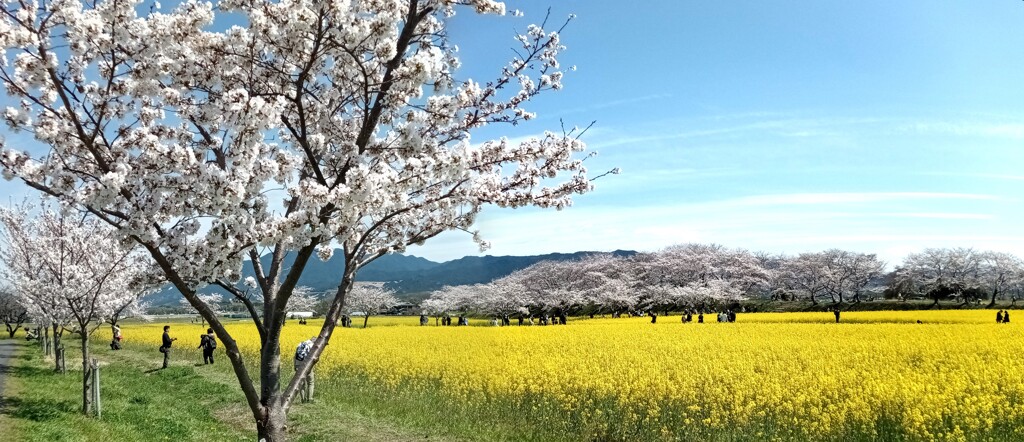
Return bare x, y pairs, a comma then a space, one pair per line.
785, 126
874, 126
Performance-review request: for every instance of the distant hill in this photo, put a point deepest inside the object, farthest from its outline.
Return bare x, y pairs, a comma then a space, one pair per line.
476, 270
402, 273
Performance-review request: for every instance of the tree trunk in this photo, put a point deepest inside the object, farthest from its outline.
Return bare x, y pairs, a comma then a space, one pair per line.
366, 319
46, 341
86, 376
995, 292
57, 356
11, 331
272, 427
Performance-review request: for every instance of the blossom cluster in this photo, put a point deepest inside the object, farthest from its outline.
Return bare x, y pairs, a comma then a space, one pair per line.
318, 123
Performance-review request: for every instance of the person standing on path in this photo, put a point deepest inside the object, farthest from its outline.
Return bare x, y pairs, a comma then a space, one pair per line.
208, 343
301, 353
166, 346
835, 311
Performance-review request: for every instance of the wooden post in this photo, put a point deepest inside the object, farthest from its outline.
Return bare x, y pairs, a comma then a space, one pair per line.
58, 353
96, 387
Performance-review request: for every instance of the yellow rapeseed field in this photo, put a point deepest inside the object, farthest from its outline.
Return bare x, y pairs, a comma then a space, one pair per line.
956, 376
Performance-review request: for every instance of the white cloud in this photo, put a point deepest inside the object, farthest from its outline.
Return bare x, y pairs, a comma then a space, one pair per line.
991, 129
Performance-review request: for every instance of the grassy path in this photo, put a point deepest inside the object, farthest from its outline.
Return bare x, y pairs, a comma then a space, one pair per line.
7, 350
186, 402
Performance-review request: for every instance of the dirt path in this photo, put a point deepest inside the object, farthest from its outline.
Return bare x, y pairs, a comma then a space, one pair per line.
7, 349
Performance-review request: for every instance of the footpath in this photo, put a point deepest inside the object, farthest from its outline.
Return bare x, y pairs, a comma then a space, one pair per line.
7, 349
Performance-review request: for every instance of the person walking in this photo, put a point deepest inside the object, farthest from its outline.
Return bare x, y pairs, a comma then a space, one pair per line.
301, 353
835, 311
999, 316
165, 348
700, 318
115, 342
1006, 317
208, 343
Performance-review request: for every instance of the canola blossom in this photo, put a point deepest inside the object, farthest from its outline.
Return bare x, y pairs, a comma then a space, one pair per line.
771, 376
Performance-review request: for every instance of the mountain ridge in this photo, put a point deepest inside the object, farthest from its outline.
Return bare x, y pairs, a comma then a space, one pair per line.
407, 275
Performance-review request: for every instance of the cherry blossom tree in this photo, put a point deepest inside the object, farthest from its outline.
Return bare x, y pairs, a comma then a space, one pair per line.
551, 286
613, 283
73, 262
774, 274
707, 272
937, 272
213, 301
448, 300
302, 300
24, 265
998, 271
129, 307
12, 312
315, 125
370, 300
847, 272
806, 273
501, 299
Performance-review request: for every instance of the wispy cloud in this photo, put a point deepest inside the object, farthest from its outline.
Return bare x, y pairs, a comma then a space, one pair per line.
803, 199
608, 104
991, 176
709, 127
990, 129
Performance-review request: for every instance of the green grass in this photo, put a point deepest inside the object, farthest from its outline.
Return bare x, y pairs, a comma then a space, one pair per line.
186, 402
172, 404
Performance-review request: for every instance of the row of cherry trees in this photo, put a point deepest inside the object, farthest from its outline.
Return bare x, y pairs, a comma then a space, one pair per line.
961, 273
707, 276
69, 273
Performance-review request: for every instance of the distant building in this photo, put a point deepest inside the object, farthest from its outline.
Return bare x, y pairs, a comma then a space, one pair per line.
402, 308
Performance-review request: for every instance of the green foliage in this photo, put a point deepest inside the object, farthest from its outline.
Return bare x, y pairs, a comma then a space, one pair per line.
173, 404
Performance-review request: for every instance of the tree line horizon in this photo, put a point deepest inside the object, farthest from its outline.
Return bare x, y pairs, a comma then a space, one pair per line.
701, 276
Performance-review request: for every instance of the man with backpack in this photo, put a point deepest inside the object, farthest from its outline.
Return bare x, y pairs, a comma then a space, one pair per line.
301, 353
208, 343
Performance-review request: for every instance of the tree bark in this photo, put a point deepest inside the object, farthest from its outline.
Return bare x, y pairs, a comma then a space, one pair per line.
272, 426
57, 356
995, 293
86, 375
366, 319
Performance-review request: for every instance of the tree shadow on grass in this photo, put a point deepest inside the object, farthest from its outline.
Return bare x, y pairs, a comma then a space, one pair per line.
38, 410
34, 409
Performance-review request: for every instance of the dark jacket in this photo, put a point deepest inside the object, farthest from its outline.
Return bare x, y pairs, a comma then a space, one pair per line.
167, 340
207, 342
